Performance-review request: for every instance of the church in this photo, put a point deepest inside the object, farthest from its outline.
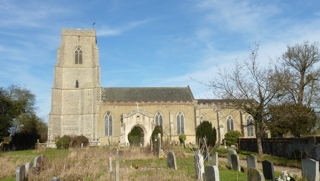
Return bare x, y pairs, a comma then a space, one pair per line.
81, 106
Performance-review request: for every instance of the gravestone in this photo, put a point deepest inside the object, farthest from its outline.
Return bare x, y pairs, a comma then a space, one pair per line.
235, 162
310, 169
55, 179
215, 159
117, 170
212, 173
184, 144
110, 164
206, 156
252, 162
28, 166
43, 161
199, 166
230, 152
171, 160
21, 173
268, 170
151, 145
81, 146
255, 175
112, 176
37, 164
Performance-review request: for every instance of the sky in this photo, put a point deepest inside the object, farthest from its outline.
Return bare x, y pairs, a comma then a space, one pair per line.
149, 43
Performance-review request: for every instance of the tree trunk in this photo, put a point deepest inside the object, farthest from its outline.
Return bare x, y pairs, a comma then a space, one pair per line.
259, 145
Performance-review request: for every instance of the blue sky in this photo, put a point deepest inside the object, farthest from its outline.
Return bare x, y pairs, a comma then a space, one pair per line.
148, 42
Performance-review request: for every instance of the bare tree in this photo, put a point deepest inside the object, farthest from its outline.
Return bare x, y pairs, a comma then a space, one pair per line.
251, 88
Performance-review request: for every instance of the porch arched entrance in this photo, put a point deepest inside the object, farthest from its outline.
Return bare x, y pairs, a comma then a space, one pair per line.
136, 136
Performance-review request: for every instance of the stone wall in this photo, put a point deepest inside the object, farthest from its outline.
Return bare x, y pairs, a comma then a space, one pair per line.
293, 148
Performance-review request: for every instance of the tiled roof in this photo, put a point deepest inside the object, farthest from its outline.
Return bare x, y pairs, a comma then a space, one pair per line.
147, 94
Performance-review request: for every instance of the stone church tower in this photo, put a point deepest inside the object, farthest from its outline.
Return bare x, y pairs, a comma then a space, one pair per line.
76, 90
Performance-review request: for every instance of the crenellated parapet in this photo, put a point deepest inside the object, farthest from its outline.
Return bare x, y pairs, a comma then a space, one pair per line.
78, 32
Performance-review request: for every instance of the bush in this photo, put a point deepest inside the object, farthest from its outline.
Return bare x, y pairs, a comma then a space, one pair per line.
77, 140
231, 138
205, 129
182, 138
63, 142
134, 136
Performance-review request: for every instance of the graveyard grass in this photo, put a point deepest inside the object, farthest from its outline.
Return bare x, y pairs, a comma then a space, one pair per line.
92, 164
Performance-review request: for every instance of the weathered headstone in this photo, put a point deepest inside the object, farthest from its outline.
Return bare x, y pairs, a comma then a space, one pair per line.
230, 152
171, 160
206, 156
235, 162
310, 169
28, 166
55, 179
81, 146
268, 170
37, 164
21, 173
215, 159
255, 175
199, 166
43, 162
252, 162
110, 164
212, 173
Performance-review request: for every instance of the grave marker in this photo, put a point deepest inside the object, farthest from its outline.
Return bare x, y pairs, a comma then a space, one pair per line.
37, 164
310, 169
268, 170
230, 152
171, 160
235, 162
55, 179
255, 175
252, 162
215, 159
212, 173
21, 173
199, 166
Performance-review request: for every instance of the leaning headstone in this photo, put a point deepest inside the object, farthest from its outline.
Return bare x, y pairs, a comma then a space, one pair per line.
215, 159
206, 156
199, 166
310, 169
21, 173
252, 162
255, 175
268, 170
230, 152
55, 179
171, 160
110, 164
212, 173
28, 166
37, 164
235, 162
43, 162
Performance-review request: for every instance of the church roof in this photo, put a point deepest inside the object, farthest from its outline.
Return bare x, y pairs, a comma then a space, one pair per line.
147, 94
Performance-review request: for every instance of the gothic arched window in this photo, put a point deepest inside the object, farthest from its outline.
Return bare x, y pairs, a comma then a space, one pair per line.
230, 123
180, 123
78, 56
108, 124
158, 119
250, 126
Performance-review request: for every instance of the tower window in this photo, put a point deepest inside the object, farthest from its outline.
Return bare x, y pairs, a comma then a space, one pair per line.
77, 84
78, 56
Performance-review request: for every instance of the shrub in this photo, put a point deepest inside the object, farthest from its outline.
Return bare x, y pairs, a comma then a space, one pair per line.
63, 142
134, 136
205, 129
231, 138
77, 140
182, 138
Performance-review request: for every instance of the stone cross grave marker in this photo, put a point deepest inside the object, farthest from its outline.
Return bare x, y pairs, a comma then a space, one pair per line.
310, 169
235, 162
268, 170
255, 175
212, 173
215, 159
171, 160
230, 152
206, 156
21, 173
199, 166
252, 162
